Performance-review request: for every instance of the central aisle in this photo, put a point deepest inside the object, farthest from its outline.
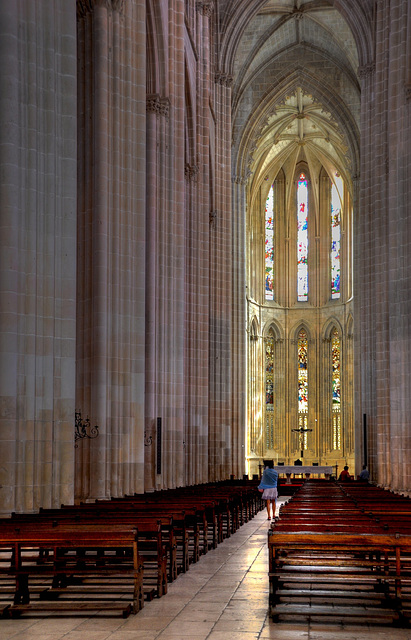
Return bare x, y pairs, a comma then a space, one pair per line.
224, 596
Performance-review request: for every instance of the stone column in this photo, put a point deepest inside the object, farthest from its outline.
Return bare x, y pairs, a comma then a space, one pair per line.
364, 346
239, 336
222, 457
170, 283
398, 291
37, 255
111, 256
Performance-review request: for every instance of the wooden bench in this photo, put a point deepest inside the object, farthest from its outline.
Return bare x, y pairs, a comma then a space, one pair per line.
158, 557
71, 556
341, 576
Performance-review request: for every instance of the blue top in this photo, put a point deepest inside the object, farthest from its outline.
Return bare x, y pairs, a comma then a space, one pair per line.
269, 479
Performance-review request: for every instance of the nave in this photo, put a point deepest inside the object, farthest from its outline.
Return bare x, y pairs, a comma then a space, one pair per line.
224, 596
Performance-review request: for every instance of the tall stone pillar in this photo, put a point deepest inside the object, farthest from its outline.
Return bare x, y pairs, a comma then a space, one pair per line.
170, 275
239, 320
221, 461
199, 219
383, 285
111, 246
37, 254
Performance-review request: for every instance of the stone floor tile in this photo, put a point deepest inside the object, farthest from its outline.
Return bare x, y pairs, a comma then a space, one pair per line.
91, 635
47, 627
157, 623
188, 628
272, 633
168, 636
246, 625
122, 634
232, 635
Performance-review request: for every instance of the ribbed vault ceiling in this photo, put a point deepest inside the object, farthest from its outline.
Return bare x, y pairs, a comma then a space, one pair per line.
295, 90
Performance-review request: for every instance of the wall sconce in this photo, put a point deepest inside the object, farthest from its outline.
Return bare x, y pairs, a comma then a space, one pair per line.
84, 429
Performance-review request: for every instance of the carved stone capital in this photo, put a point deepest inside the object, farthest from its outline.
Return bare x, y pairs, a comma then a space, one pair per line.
223, 78
153, 103
191, 172
213, 218
156, 104
205, 7
165, 107
238, 179
407, 89
366, 70
86, 6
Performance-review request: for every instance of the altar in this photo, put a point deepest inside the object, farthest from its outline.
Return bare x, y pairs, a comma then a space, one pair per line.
303, 470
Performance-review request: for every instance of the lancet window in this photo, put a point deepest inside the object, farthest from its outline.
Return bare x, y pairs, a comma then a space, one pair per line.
336, 388
336, 195
269, 389
269, 246
302, 347
302, 238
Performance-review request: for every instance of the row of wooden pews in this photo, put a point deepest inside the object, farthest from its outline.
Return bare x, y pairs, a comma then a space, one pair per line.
342, 552
112, 555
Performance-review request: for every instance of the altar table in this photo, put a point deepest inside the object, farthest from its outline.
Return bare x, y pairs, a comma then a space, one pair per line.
302, 469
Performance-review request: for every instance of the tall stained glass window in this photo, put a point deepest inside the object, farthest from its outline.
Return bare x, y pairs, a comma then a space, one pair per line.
269, 246
336, 388
303, 383
269, 390
335, 237
302, 239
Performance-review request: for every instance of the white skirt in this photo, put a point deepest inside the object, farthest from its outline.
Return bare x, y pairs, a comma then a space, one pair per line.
269, 494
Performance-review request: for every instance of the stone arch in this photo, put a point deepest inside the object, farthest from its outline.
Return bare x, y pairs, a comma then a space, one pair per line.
329, 326
302, 324
276, 329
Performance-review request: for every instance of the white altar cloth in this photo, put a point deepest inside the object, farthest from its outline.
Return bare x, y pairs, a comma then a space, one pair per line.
303, 469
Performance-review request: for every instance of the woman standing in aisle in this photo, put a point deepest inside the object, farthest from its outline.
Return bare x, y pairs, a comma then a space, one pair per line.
268, 486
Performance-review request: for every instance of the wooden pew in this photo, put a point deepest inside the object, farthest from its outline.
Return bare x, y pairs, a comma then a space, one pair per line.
343, 576
30, 552
157, 558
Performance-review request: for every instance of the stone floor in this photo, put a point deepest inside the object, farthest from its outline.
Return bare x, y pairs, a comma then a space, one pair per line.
222, 597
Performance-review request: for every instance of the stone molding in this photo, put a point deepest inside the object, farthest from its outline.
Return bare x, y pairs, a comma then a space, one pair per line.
205, 7
159, 106
222, 78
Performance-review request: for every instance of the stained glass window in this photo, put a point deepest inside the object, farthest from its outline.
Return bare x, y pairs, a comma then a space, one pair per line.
336, 388
302, 372
303, 385
336, 382
335, 237
302, 239
269, 246
269, 389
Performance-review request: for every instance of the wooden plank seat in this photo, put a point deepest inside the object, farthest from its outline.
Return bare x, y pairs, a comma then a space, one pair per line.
157, 544
207, 512
185, 524
343, 576
190, 524
69, 555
